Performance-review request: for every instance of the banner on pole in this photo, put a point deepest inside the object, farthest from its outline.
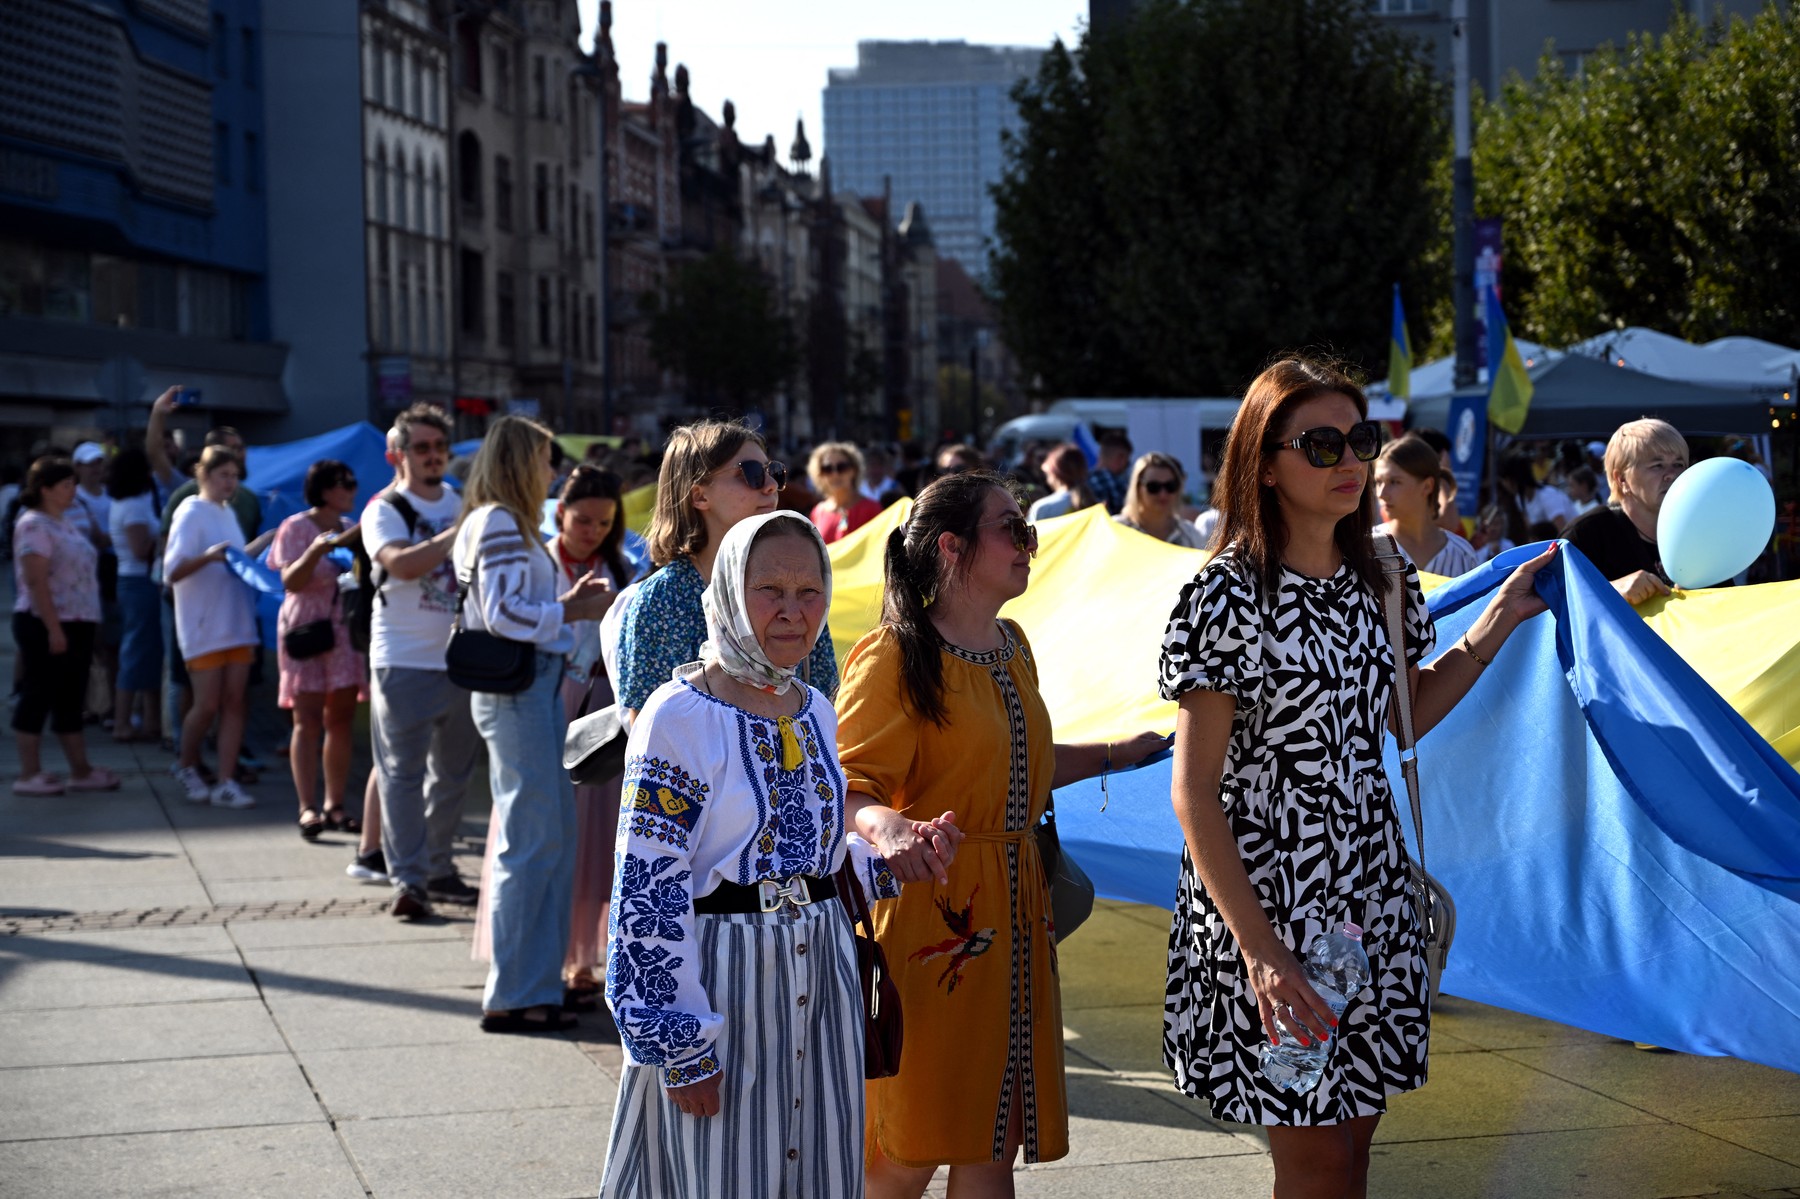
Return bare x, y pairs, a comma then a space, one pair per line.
1468, 446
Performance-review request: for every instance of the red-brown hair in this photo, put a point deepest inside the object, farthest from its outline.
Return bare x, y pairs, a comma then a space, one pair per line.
1250, 520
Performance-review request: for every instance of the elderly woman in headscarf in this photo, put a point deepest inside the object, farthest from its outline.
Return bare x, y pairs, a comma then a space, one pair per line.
731, 971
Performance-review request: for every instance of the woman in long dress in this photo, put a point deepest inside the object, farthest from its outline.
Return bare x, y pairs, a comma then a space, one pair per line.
1278, 655
940, 710
731, 972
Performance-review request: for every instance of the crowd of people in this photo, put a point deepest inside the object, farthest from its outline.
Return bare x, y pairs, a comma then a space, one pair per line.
696, 892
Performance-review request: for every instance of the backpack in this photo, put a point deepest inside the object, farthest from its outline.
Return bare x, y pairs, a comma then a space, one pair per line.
359, 603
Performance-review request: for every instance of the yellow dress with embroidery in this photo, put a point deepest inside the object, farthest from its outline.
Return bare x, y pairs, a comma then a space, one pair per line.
974, 961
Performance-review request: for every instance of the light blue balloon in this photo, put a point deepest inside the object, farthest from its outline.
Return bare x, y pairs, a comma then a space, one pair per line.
1716, 519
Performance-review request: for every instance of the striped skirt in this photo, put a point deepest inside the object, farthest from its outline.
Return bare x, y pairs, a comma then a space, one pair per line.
790, 1120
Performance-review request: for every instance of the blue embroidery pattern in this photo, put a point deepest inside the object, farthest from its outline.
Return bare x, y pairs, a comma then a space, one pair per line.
660, 793
798, 827
653, 905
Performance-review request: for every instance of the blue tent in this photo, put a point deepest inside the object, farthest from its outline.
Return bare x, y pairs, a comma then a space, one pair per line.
277, 472
1623, 849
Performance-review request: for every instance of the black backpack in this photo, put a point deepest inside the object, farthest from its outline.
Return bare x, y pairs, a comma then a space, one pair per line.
359, 604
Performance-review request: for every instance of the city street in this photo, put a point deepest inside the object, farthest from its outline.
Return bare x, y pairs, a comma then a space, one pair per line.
197, 1002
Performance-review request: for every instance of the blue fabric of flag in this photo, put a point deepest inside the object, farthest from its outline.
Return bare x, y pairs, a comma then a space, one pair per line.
1623, 849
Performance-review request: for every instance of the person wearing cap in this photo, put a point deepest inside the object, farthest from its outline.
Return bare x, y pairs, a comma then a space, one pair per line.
1643, 459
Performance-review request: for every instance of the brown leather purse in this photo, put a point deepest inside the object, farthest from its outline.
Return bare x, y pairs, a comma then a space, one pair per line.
882, 1028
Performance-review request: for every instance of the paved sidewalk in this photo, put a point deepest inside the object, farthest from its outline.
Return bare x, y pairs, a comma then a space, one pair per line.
197, 1002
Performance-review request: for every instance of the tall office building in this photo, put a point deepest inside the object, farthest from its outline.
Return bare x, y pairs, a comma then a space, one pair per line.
928, 115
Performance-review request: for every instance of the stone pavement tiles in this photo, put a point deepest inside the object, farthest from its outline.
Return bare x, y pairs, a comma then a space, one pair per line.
196, 1002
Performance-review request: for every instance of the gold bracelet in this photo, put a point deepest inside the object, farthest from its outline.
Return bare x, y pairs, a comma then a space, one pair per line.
1469, 649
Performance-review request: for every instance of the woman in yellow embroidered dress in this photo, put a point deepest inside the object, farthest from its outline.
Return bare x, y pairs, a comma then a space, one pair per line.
939, 710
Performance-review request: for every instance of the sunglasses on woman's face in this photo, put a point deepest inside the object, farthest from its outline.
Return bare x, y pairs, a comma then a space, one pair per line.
756, 473
1024, 534
1324, 446
1160, 486
833, 468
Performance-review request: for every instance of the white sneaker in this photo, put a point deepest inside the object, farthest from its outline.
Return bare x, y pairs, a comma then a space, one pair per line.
191, 783
229, 795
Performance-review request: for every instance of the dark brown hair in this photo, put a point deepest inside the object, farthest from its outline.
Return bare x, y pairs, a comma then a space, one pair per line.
1071, 466
914, 572
1250, 520
44, 474
421, 414
587, 482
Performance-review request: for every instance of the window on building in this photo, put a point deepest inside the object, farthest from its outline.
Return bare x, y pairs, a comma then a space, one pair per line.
503, 78
543, 311
222, 153
396, 80
252, 69
559, 203
381, 184
593, 328
403, 331
437, 200
221, 47
540, 87
503, 193
587, 220
506, 328
468, 172
468, 56
437, 302
377, 81
431, 92
252, 163
384, 311
574, 217
540, 197
423, 337
419, 195
470, 281
400, 213
415, 74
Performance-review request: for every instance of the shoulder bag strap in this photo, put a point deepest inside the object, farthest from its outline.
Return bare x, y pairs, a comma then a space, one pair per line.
1393, 572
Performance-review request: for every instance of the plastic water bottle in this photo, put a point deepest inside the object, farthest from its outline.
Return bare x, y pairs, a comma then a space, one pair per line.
1338, 970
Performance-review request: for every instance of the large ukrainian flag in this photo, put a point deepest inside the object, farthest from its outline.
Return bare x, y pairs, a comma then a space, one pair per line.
1400, 355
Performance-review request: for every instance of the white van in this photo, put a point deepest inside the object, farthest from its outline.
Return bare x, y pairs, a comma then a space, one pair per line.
1174, 427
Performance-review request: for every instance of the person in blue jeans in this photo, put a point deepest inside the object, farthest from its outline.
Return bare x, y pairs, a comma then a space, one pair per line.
509, 583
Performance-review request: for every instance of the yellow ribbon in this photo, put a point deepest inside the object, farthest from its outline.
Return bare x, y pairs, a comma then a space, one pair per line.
791, 754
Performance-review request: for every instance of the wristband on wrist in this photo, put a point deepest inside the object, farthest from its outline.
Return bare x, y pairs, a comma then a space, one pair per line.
1468, 648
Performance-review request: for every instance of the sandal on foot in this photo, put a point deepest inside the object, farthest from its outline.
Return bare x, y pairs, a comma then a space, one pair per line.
519, 1020
310, 829
577, 1000
340, 821
98, 778
41, 783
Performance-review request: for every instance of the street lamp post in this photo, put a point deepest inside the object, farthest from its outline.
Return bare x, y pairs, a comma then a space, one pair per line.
1462, 201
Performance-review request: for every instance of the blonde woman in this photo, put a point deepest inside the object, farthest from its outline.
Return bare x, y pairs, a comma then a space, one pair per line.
836, 471
1152, 500
509, 584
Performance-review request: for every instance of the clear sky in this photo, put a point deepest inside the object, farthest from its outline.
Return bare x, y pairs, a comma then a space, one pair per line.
770, 57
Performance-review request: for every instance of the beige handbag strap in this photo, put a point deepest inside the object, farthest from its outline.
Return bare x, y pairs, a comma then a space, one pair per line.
1393, 571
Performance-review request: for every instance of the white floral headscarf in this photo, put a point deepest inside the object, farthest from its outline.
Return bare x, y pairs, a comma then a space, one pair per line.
730, 641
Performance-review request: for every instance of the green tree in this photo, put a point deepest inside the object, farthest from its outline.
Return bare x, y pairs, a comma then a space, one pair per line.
1660, 186
1211, 183
720, 328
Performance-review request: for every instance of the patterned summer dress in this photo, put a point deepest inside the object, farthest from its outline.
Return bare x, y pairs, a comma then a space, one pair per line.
339, 667
1315, 823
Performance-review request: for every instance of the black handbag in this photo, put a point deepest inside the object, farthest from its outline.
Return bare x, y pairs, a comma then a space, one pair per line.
883, 1029
312, 639
1071, 890
480, 661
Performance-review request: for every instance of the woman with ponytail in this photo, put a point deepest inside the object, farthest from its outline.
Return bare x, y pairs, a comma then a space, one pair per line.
940, 713
1410, 481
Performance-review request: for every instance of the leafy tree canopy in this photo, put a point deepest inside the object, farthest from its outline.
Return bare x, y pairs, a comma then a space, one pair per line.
1660, 186
720, 328
1211, 183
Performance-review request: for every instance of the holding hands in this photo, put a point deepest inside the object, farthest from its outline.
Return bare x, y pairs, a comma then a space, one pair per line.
915, 850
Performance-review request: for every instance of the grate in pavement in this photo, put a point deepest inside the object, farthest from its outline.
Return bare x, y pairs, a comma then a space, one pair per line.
14, 922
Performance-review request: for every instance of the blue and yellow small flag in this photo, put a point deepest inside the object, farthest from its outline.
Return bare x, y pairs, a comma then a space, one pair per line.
1400, 358
1509, 383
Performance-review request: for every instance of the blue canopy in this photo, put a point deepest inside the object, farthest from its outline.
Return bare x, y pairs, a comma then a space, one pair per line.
277, 472
1623, 849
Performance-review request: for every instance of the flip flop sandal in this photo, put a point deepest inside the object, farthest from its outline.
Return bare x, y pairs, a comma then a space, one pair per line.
517, 1021
97, 779
39, 784
339, 821
310, 829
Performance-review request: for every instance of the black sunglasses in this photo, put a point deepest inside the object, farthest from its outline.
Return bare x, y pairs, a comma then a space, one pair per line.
832, 468
1160, 486
1024, 534
755, 472
1324, 446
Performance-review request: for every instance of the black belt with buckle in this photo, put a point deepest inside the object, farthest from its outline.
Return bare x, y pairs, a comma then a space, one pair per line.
766, 896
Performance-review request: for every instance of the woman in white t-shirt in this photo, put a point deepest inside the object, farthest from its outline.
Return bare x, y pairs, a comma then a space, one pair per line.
134, 525
1409, 479
216, 621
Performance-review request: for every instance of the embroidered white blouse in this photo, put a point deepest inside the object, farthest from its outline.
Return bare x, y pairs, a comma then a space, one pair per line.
705, 802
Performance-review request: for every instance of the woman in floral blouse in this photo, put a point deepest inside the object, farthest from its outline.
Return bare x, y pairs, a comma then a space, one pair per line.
714, 474
731, 973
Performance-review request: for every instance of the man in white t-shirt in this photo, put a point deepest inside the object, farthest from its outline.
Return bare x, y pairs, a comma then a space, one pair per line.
425, 741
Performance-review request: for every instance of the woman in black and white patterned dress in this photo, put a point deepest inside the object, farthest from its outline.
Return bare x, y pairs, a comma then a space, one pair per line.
1278, 654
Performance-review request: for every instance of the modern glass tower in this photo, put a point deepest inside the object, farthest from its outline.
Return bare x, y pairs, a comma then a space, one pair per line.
929, 115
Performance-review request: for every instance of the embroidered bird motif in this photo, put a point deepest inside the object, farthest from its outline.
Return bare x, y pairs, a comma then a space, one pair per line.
963, 948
